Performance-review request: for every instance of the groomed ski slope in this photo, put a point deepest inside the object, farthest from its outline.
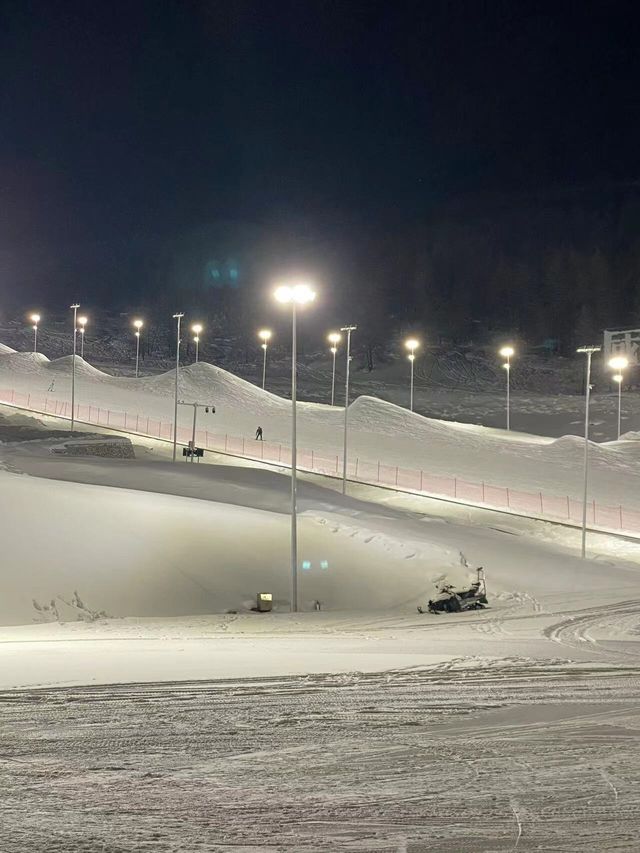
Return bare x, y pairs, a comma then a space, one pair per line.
378, 430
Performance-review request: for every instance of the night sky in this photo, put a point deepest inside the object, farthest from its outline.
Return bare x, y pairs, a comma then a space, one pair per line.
131, 122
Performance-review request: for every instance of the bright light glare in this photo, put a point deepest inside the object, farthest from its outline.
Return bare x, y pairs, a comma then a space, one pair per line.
334, 338
138, 324
411, 344
35, 318
196, 339
197, 328
507, 352
617, 377
265, 335
506, 366
82, 321
334, 350
618, 362
301, 294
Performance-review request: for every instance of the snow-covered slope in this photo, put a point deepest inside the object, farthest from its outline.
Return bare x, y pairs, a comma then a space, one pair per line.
378, 430
137, 551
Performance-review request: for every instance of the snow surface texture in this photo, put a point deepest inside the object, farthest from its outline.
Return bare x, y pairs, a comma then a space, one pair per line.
378, 430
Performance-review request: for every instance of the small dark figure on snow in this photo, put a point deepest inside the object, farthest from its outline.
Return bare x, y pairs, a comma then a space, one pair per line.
259, 434
52, 386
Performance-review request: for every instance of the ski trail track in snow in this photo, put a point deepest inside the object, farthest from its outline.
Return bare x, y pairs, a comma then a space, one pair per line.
513, 756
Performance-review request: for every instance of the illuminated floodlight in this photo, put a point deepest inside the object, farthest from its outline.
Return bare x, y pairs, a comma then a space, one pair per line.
334, 338
619, 362
507, 352
617, 377
301, 294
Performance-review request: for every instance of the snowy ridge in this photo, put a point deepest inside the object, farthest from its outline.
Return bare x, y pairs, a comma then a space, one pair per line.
379, 431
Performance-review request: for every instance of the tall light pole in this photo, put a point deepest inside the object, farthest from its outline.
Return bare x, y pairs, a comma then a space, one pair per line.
589, 352
196, 329
178, 318
294, 295
619, 363
507, 352
83, 322
411, 345
35, 319
334, 339
138, 325
265, 337
74, 308
348, 330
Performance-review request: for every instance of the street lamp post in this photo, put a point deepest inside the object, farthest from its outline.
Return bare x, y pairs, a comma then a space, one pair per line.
348, 330
334, 339
178, 318
507, 352
196, 329
619, 363
35, 319
265, 337
74, 308
296, 295
82, 322
589, 352
138, 324
411, 345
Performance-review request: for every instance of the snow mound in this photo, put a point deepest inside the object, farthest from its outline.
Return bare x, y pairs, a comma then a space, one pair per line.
83, 368
23, 362
5, 349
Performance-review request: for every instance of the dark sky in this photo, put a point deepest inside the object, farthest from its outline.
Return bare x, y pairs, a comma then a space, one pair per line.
128, 120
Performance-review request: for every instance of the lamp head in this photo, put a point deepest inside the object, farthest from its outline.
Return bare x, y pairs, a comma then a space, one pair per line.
619, 362
507, 352
82, 321
301, 293
196, 328
334, 338
264, 335
411, 344
35, 318
138, 324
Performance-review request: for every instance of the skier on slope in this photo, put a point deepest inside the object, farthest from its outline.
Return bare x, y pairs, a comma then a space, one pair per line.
52, 385
259, 434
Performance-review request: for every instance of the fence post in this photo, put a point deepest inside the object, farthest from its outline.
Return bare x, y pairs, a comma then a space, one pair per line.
357, 466
483, 500
621, 525
594, 510
279, 453
508, 499
421, 476
108, 416
455, 489
396, 475
312, 460
568, 508
541, 505
28, 400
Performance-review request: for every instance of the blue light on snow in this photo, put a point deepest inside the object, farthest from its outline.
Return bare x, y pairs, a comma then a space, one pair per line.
306, 565
324, 564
